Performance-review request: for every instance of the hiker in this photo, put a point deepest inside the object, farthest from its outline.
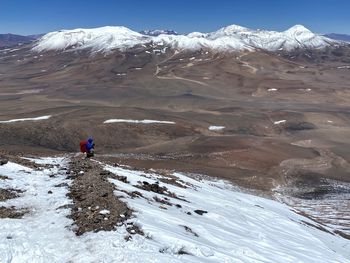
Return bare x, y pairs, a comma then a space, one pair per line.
87, 147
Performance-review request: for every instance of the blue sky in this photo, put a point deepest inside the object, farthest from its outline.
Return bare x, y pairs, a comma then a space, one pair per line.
39, 16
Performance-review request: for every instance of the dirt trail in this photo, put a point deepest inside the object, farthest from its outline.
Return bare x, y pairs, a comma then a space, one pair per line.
172, 76
246, 64
95, 205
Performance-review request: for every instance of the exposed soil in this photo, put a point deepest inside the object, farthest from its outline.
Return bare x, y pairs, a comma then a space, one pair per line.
95, 207
11, 212
8, 194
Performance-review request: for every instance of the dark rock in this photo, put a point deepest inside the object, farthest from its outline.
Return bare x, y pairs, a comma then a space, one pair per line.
62, 185
200, 212
104, 194
300, 126
3, 161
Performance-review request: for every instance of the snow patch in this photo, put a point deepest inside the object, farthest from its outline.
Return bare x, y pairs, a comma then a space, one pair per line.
138, 121
216, 128
28, 119
104, 212
342, 67
279, 122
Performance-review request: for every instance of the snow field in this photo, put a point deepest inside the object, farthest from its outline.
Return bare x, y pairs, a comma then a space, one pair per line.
236, 228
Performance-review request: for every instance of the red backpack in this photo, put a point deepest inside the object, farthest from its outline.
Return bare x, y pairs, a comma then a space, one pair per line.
83, 146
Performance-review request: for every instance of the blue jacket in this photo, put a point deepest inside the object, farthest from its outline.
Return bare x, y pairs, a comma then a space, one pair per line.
90, 144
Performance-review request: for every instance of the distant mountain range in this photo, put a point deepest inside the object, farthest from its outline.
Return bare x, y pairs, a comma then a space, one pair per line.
8, 40
157, 32
230, 38
339, 37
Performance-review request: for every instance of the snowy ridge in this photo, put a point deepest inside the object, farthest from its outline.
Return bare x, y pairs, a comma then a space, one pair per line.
98, 39
229, 226
231, 38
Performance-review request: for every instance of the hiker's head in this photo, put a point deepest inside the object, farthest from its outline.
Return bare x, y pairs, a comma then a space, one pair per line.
90, 140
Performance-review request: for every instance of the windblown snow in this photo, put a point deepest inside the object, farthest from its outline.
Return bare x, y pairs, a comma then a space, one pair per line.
230, 38
194, 220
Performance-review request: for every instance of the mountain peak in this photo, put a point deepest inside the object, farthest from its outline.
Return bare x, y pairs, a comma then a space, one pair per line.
297, 29
229, 31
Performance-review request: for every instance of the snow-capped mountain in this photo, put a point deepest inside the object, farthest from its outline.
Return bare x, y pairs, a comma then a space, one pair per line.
231, 38
158, 32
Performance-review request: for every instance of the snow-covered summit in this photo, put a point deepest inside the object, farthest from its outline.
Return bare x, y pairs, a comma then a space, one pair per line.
228, 31
298, 29
230, 38
98, 39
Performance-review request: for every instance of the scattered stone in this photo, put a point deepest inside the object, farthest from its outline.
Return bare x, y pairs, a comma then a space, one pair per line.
189, 230
300, 126
134, 229
136, 194
104, 194
62, 185
3, 161
162, 201
49, 192
68, 206
104, 212
200, 212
